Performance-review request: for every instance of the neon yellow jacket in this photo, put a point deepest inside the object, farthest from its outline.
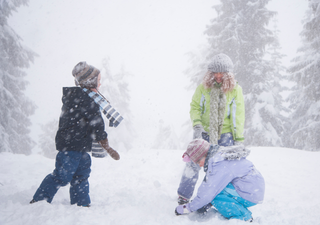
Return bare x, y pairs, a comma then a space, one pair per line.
234, 115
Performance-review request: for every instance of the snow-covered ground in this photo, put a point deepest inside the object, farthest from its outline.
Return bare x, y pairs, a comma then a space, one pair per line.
141, 189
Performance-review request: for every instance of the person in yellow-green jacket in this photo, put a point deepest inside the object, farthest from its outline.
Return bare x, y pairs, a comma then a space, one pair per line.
217, 113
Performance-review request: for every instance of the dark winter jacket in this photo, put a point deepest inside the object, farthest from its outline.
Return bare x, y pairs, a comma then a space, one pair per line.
80, 122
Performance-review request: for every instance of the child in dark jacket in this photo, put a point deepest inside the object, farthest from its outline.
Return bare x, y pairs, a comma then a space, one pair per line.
80, 124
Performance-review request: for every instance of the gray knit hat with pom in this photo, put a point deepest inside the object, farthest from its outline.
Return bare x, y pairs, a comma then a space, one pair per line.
85, 75
220, 63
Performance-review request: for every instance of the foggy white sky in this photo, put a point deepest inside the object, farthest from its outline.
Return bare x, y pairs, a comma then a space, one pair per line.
149, 37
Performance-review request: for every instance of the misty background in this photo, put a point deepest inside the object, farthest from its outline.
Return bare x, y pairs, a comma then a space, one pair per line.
147, 52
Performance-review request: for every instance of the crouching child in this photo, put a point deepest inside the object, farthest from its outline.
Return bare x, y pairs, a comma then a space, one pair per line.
232, 184
80, 124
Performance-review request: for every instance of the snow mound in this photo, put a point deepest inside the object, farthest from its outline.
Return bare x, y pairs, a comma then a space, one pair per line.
141, 189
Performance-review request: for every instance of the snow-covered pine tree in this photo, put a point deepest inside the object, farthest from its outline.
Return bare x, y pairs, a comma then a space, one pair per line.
47, 139
240, 31
305, 71
15, 106
186, 135
116, 89
166, 138
195, 72
198, 66
275, 109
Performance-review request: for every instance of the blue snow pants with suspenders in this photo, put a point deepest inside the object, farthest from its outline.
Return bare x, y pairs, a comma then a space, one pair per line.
229, 203
71, 167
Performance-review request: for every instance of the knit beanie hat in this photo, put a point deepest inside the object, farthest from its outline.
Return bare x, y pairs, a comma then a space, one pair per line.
85, 75
196, 150
220, 63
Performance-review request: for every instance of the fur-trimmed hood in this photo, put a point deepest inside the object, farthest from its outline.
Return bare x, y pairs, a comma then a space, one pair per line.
234, 152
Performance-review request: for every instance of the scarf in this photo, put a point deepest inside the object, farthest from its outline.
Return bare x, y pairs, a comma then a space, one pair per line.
112, 115
97, 150
217, 110
212, 151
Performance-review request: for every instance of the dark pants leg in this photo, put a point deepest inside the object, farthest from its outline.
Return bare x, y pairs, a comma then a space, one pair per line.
79, 186
67, 164
226, 140
188, 180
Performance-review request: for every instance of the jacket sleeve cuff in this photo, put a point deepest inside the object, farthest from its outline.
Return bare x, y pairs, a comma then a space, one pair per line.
239, 139
196, 122
102, 137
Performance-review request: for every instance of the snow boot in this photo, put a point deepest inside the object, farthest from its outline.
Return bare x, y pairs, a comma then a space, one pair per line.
32, 201
204, 209
250, 221
182, 200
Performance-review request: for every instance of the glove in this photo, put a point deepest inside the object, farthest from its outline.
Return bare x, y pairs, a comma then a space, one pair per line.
204, 209
182, 210
197, 131
114, 154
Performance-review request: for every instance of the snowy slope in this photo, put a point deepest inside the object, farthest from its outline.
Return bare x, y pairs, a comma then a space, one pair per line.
141, 189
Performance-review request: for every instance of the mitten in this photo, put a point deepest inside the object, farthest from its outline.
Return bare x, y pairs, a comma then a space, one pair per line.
197, 131
105, 144
182, 210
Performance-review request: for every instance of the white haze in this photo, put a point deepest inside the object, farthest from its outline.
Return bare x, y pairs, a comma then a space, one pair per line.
149, 38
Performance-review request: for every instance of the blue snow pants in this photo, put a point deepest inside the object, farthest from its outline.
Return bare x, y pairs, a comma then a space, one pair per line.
229, 203
71, 167
191, 172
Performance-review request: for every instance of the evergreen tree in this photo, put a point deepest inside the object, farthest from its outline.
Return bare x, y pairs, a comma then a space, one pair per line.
166, 137
47, 139
198, 66
305, 70
197, 69
272, 113
116, 89
240, 31
15, 106
186, 135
